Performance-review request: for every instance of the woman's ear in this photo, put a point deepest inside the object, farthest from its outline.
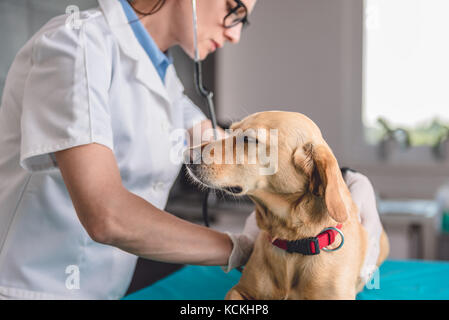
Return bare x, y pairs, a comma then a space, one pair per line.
325, 179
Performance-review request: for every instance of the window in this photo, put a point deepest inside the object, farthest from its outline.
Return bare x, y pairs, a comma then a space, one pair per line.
406, 70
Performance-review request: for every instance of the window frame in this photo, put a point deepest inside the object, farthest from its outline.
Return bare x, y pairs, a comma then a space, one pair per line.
363, 154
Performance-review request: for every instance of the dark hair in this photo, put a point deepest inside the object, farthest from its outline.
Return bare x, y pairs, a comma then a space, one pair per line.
159, 4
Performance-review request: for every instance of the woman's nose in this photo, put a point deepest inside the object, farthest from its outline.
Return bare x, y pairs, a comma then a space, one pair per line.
233, 34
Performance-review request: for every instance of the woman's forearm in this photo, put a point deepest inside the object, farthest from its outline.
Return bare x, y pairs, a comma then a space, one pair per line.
142, 229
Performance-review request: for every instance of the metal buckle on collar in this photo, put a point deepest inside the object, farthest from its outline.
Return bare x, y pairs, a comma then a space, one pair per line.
303, 246
342, 239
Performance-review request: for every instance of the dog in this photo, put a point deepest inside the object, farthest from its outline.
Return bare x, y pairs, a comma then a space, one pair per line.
304, 195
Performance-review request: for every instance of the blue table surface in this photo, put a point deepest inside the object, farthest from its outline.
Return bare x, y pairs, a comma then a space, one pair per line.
398, 280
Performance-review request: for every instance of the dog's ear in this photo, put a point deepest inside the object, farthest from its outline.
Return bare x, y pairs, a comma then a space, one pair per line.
320, 165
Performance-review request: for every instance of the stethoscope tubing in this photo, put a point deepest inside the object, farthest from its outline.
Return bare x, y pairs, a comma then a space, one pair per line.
207, 94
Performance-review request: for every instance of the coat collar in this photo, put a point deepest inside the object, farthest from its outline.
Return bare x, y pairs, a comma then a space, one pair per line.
144, 68
160, 59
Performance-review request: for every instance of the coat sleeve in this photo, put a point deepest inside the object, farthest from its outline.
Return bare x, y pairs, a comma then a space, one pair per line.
65, 100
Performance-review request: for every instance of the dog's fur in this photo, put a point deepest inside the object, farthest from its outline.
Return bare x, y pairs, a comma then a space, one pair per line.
304, 196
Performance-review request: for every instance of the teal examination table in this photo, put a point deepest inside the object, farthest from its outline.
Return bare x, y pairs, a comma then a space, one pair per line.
403, 280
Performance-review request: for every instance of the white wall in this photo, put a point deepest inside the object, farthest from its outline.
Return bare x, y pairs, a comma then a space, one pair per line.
306, 56
289, 59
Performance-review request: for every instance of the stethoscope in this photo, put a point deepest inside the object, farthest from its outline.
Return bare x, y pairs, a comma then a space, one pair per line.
210, 102
209, 95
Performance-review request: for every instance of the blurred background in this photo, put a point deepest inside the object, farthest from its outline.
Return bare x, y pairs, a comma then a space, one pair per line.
372, 74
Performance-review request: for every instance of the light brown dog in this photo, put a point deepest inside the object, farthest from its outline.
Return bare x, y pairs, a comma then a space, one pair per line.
305, 195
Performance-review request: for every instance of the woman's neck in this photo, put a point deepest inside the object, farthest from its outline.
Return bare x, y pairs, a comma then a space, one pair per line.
157, 24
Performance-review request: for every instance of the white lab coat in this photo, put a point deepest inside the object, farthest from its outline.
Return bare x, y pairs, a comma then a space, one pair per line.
69, 87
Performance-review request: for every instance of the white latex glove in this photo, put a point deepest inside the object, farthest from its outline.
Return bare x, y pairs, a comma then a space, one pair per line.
243, 243
363, 195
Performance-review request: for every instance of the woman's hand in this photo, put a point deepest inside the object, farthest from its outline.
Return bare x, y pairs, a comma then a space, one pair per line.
243, 243
363, 195
206, 130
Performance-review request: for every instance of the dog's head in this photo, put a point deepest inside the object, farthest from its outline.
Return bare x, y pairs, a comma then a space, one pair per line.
281, 161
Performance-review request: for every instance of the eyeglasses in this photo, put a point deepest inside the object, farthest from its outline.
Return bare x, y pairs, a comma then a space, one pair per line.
236, 15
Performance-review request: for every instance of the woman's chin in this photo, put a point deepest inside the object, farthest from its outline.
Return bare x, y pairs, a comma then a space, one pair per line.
203, 54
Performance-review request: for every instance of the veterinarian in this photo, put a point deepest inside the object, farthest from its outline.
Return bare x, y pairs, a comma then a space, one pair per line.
85, 172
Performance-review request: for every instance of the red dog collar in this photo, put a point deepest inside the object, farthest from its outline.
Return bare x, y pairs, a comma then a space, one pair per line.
312, 245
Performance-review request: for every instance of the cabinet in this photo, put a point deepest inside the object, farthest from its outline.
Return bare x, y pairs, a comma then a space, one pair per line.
412, 227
